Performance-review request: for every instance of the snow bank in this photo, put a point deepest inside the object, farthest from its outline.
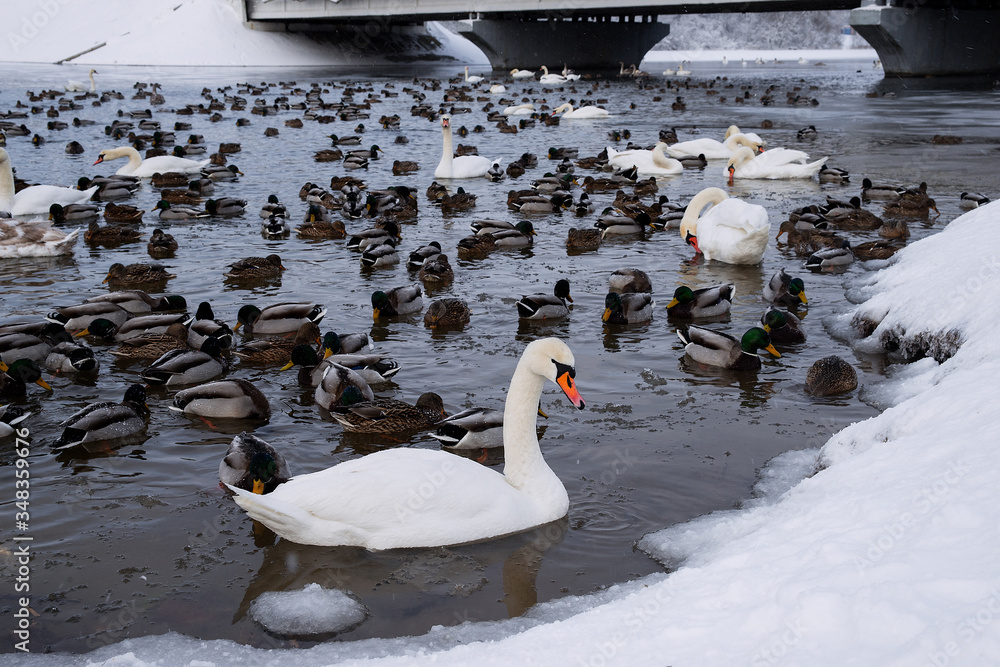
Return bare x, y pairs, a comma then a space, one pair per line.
885, 555
174, 32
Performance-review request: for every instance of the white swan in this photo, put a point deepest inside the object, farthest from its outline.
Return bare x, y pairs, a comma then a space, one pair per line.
582, 112
713, 149
465, 166
498, 89
568, 74
683, 72
777, 163
522, 74
471, 79
79, 86
519, 109
654, 162
732, 231
34, 239
752, 136
404, 498
36, 198
550, 78
160, 164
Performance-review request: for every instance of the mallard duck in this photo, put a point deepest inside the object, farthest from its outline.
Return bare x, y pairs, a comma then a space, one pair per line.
437, 270
14, 379
519, 237
222, 173
383, 254
850, 216
389, 416
884, 191
345, 343
628, 280
183, 202
275, 228
583, 239
24, 344
311, 368
341, 387
374, 369
831, 375
138, 302
374, 236
227, 207
169, 211
229, 399
397, 301
714, 348
447, 313
276, 350
253, 465
141, 325
614, 223
830, 258
122, 213
155, 345
417, 257
894, 229
782, 326
179, 367
320, 229
711, 301
204, 325
72, 213
273, 207
874, 250
460, 201
78, 318
970, 200
121, 276
255, 268
493, 504
785, 290
110, 235
107, 420
10, 417
630, 308
278, 318
546, 306
830, 174
71, 356
161, 245
475, 428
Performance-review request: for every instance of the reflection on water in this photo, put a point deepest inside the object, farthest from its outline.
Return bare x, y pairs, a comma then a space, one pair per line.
138, 538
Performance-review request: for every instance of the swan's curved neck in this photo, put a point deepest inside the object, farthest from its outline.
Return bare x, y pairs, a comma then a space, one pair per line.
660, 157
689, 223
523, 459
93, 86
6, 185
447, 152
545, 70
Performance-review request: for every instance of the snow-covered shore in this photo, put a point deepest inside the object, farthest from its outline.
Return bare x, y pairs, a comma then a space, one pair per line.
885, 556
205, 33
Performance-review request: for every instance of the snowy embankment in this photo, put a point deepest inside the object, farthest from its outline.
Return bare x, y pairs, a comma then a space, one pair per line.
887, 555
178, 33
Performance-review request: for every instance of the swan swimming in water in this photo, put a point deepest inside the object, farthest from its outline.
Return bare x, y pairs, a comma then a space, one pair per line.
369, 501
654, 162
79, 86
147, 168
732, 231
36, 198
582, 112
464, 166
777, 163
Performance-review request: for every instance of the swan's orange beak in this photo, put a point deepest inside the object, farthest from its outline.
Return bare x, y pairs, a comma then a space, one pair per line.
692, 241
568, 386
732, 170
99, 160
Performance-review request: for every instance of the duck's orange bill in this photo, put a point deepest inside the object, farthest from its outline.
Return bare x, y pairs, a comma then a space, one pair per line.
258, 487
568, 386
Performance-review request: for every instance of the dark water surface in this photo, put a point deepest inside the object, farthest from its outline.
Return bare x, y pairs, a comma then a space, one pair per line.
140, 539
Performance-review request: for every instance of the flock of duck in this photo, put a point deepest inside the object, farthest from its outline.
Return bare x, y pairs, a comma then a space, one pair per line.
357, 502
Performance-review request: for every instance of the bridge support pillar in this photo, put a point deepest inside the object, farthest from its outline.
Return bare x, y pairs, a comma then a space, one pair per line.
579, 42
925, 41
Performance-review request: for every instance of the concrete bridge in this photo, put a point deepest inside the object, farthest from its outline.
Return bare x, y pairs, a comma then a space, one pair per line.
912, 37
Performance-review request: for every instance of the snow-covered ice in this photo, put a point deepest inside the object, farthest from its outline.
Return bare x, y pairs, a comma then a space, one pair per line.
310, 612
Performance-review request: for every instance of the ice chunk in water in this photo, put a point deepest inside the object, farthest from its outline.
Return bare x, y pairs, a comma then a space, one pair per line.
312, 611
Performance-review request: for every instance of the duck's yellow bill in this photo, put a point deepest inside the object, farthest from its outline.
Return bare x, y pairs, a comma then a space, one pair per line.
673, 302
287, 366
606, 315
770, 348
42, 383
258, 487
